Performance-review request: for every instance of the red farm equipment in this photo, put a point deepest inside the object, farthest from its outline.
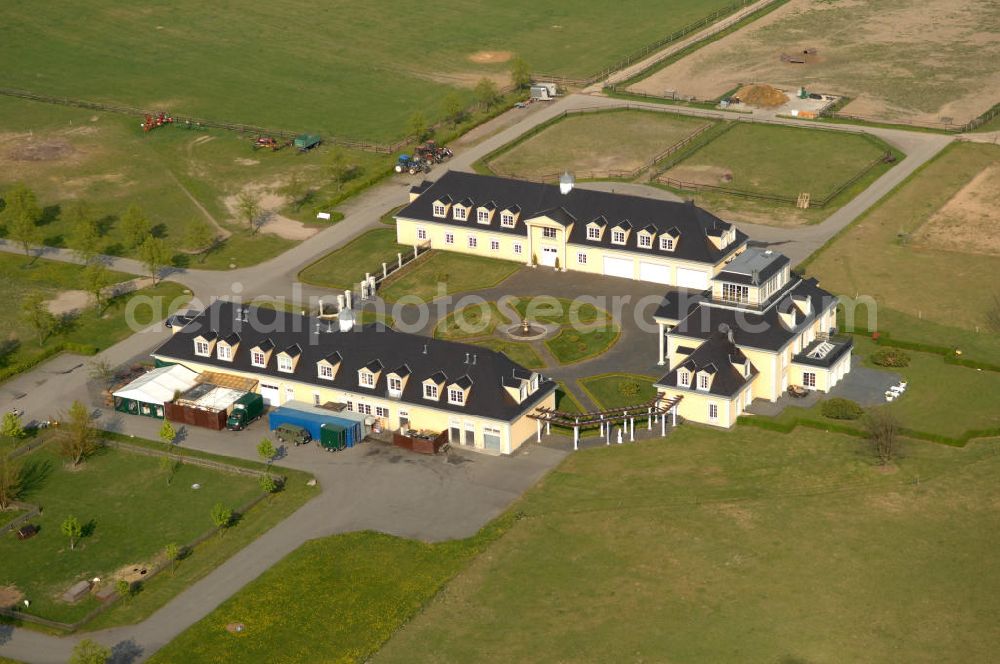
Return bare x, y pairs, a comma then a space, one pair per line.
268, 143
159, 120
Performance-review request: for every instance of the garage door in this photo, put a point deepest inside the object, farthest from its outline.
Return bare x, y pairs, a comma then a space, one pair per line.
619, 267
491, 438
658, 274
271, 394
692, 278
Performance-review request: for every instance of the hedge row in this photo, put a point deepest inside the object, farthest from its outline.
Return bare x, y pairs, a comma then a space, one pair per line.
885, 339
790, 425
51, 351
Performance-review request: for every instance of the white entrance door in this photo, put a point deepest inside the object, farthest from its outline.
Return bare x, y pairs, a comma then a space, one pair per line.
658, 274
692, 278
271, 394
619, 267
289, 394
549, 256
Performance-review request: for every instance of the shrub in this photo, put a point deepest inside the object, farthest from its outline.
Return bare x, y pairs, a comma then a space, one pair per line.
890, 357
629, 389
841, 409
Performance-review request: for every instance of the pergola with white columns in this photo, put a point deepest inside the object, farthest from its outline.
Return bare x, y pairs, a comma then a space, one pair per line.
653, 412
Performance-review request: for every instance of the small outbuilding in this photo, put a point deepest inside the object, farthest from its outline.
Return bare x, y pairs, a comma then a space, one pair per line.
146, 394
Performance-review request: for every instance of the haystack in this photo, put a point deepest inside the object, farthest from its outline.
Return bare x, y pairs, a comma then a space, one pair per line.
762, 96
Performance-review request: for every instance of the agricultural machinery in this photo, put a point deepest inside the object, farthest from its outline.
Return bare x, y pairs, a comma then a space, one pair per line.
268, 143
431, 153
412, 165
152, 122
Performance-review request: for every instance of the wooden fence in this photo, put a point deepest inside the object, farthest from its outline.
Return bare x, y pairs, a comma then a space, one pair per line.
31, 511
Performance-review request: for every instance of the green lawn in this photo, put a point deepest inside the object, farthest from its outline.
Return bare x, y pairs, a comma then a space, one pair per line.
336, 599
571, 346
357, 86
883, 255
739, 546
346, 267
470, 322
779, 161
520, 352
121, 499
595, 144
88, 328
566, 402
446, 273
583, 335
617, 390
106, 161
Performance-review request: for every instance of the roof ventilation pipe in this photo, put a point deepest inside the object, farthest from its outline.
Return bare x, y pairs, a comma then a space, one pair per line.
566, 182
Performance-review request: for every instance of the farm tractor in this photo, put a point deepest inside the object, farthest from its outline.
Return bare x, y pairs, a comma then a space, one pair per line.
152, 122
431, 153
412, 165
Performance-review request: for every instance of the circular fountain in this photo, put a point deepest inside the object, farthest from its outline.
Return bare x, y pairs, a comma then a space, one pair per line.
527, 331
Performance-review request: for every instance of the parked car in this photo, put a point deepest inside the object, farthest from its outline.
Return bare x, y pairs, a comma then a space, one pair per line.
290, 433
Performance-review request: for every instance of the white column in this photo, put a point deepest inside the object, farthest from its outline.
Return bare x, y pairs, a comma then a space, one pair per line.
673, 414
649, 418
576, 435
416, 251
631, 429
659, 361
538, 434
663, 425
385, 270
399, 260
548, 427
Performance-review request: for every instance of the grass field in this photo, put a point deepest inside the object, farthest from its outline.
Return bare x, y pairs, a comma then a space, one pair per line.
119, 497
617, 390
470, 322
739, 546
362, 75
446, 273
779, 161
886, 256
941, 63
595, 144
88, 327
175, 175
346, 267
520, 352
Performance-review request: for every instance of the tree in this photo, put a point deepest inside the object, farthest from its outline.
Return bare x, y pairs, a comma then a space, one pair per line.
90, 652
454, 107
124, 588
199, 236
172, 552
993, 315
85, 236
21, 216
222, 516
295, 189
96, 278
520, 73
248, 205
167, 433
266, 451
11, 426
102, 371
268, 484
11, 481
135, 226
882, 428
338, 168
36, 315
154, 255
78, 437
72, 529
487, 93
417, 126
169, 467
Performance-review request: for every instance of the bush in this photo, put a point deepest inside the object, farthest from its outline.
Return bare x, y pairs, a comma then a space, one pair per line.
841, 409
890, 357
629, 389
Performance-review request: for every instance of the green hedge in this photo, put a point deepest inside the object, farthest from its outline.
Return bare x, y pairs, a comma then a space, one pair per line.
789, 426
841, 409
885, 339
67, 346
890, 357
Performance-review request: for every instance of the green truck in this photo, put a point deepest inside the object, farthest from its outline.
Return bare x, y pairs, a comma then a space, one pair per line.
306, 142
247, 408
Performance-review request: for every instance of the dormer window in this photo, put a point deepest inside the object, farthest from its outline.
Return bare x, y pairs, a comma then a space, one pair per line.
326, 371
285, 363
366, 378
645, 241
507, 219
666, 244
703, 382
430, 391
460, 213
484, 214
684, 378
618, 236
258, 358
395, 385
201, 348
736, 293
593, 233
224, 352
440, 210
456, 396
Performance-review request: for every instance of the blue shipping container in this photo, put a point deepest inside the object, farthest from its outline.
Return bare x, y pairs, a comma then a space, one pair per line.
312, 422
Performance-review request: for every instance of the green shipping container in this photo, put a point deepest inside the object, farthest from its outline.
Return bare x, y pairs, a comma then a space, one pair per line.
333, 436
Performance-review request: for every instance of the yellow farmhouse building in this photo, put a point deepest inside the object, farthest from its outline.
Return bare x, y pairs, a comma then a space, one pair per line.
404, 381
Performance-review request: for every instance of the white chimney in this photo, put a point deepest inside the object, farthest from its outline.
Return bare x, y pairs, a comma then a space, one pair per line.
347, 299
340, 302
566, 182
346, 320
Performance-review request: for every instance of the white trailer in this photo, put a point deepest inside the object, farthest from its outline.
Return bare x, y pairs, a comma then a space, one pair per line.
543, 91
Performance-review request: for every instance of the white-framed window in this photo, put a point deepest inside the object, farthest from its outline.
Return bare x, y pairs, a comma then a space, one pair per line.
483, 216
684, 378
366, 379
736, 293
285, 363
666, 244
258, 358
430, 391
703, 381
593, 233
494, 245
456, 396
316, 398
549, 232
809, 379
350, 405
440, 210
646, 241
473, 241
326, 371
365, 409
381, 411
618, 236
449, 238
395, 385
713, 411
421, 233
581, 258
461, 213
507, 220
201, 348
224, 352
518, 248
